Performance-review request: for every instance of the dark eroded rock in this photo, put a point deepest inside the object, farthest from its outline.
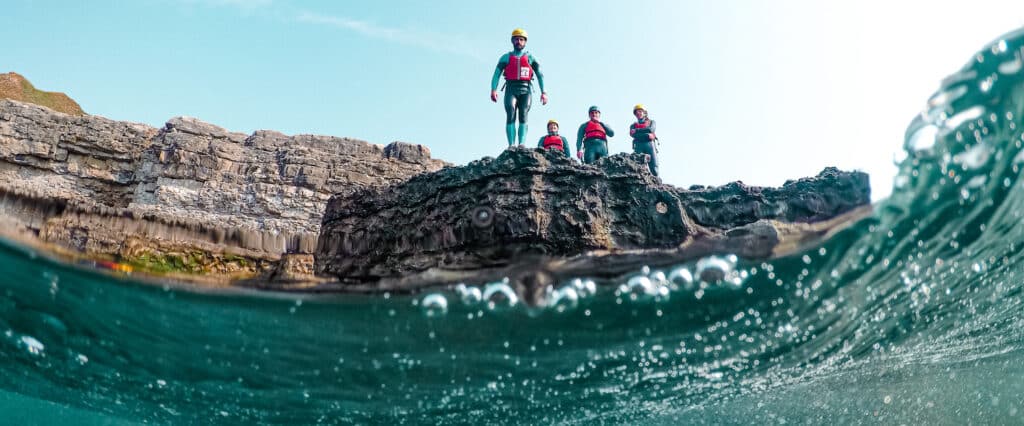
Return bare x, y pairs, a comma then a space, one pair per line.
500, 214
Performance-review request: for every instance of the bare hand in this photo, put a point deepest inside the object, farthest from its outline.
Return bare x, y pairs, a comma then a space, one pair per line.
494, 96
543, 98
579, 154
651, 136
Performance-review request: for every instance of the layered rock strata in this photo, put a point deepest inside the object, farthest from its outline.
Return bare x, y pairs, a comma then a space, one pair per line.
110, 187
528, 208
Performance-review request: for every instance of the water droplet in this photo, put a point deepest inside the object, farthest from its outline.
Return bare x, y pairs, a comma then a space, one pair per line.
887, 400
434, 305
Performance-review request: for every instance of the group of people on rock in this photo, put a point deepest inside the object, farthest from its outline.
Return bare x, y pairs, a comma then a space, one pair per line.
519, 69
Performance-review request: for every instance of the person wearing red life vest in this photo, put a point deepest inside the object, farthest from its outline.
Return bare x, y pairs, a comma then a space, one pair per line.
592, 138
553, 140
519, 68
644, 139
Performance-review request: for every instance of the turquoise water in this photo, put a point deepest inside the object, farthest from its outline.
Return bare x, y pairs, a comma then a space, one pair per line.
911, 316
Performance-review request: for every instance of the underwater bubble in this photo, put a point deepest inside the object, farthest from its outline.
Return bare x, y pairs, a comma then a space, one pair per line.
468, 295
987, 83
681, 277
434, 305
564, 299
713, 269
658, 278
584, 288
499, 295
638, 287
81, 359
33, 346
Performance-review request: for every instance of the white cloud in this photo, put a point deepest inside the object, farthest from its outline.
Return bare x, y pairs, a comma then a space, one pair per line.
432, 41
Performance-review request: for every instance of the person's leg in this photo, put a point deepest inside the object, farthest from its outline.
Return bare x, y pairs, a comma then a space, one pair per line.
510, 117
652, 159
523, 102
600, 150
589, 151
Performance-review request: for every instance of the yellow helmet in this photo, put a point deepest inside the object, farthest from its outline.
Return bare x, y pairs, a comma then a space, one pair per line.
519, 32
553, 121
640, 107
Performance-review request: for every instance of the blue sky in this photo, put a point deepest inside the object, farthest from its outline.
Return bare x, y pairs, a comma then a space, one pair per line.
758, 91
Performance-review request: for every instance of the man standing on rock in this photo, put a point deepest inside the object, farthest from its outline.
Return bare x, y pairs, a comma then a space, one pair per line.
553, 140
592, 138
519, 68
644, 139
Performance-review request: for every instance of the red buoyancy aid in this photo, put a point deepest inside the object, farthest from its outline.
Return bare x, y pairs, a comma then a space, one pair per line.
640, 126
594, 130
518, 68
553, 141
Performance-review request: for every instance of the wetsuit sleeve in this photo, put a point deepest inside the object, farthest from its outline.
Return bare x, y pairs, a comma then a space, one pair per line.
536, 71
565, 147
579, 137
540, 144
498, 71
608, 130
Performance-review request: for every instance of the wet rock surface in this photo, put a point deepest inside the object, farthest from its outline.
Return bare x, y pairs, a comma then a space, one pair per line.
530, 212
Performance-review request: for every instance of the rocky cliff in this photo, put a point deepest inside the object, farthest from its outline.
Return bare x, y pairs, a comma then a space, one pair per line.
537, 206
187, 189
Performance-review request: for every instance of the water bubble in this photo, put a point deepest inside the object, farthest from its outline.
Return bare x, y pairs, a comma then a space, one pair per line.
638, 287
713, 269
468, 295
987, 83
564, 299
499, 295
586, 288
81, 359
33, 346
682, 278
658, 278
434, 305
